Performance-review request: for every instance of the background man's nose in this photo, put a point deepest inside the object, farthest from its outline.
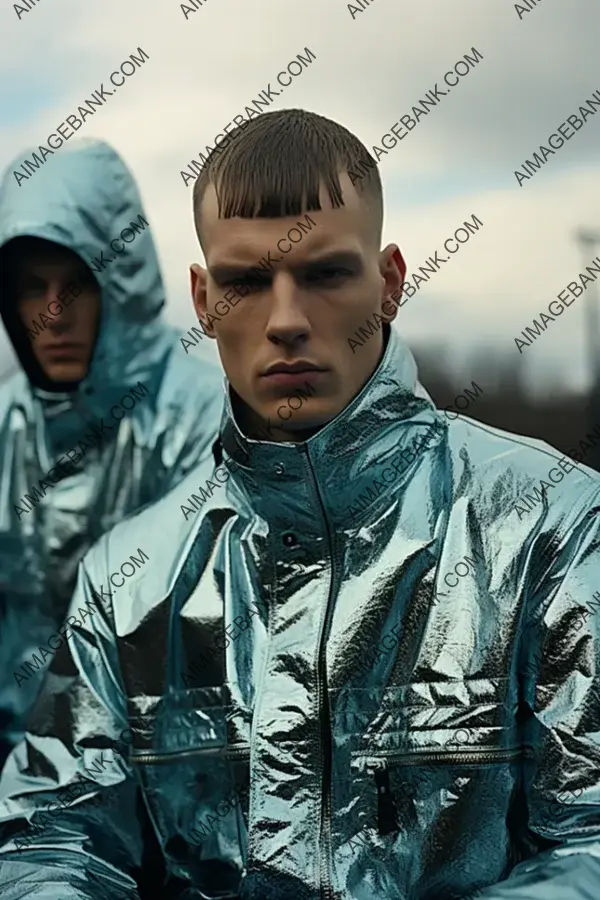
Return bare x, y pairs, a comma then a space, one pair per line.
58, 313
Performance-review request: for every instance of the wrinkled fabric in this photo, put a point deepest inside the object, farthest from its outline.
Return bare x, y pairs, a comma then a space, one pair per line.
144, 416
239, 722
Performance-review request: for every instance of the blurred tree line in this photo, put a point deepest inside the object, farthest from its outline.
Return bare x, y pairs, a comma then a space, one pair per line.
561, 418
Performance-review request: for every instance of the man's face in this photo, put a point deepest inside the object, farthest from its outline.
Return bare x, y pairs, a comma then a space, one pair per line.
43, 275
301, 307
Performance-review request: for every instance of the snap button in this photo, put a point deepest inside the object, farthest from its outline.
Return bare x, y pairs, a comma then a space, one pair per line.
279, 469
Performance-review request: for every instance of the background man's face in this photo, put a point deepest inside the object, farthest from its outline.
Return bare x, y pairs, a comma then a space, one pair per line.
302, 308
43, 274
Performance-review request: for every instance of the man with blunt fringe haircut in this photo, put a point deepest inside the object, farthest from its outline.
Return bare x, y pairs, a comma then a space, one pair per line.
308, 662
105, 415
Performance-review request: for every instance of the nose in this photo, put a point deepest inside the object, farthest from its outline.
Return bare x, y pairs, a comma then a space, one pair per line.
61, 316
288, 323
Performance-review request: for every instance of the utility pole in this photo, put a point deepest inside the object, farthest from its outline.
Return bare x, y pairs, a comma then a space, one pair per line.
589, 242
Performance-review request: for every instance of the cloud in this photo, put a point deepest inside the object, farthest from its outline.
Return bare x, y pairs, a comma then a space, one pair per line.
369, 72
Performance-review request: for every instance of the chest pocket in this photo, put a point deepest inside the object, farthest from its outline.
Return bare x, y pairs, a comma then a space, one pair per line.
196, 786
432, 770
431, 746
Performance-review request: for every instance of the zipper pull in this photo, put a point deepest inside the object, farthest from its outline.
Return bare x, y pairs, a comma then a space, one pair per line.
387, 817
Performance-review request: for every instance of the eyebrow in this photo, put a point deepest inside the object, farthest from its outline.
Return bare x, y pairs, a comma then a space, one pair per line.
229, 271
78, 270
30, 276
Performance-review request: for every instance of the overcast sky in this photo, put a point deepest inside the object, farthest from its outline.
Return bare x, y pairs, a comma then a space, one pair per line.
369, 71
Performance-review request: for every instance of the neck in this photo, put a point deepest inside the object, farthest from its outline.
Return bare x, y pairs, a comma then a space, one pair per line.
258, 428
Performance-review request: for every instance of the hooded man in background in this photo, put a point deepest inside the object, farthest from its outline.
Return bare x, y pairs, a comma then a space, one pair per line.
106, 415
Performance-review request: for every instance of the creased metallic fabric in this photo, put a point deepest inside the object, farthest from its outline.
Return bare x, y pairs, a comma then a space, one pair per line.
82, 199
303, 703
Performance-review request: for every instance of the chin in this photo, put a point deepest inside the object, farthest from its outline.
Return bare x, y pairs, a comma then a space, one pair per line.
312, 423
65, 372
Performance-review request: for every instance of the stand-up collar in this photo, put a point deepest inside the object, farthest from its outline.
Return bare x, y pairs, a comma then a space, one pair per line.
347, 454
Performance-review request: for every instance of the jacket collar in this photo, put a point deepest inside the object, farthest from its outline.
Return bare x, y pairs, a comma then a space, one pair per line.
343, 459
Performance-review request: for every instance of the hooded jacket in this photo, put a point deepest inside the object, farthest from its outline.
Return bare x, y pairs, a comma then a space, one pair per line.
292, 699
72, 464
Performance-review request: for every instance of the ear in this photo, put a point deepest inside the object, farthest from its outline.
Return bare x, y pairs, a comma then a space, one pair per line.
399, 260
198, 284
392, 269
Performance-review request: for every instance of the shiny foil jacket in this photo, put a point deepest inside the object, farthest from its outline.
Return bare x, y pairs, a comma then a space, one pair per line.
291, 700
144, 416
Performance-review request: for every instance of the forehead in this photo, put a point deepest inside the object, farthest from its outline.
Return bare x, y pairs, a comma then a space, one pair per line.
43, 254
25, 249
244, 241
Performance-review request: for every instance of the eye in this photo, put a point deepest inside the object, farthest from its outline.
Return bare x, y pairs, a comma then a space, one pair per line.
329, 273
249, 284
32, 288
82, 276
87, 281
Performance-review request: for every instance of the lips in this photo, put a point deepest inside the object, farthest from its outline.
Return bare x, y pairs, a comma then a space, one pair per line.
292, 368
62, 349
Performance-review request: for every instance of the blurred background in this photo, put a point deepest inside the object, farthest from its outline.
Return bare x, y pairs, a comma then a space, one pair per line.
563, 418
371, 67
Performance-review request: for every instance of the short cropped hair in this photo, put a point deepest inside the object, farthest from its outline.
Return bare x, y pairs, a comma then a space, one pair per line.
274, 166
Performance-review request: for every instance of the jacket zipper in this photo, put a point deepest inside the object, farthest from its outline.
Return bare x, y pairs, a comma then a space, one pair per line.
231, 753
325, 852
376, 760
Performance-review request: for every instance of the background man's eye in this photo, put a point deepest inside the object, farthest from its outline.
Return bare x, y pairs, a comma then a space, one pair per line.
32, 290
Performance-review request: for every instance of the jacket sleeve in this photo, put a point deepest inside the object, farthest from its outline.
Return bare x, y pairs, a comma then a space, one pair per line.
68, 813
194, 392
561, 690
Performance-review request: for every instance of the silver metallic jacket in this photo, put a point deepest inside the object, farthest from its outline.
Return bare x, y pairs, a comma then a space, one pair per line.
290, 699
74, 464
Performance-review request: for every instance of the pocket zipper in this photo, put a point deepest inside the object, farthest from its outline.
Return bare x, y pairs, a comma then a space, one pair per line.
383, 758
233, 753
